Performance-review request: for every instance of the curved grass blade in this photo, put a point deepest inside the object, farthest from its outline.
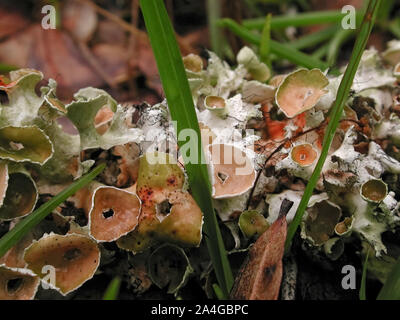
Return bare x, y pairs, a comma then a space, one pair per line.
213, 14
23, 227
298, 20
112, 290
281, 50
180, 102
363, 292
336, 113
391, 288
312, 39
218, 292
265, 45
336, 44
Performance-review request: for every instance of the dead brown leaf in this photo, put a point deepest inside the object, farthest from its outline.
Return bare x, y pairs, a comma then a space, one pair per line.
55, 54
261, 273
11, 22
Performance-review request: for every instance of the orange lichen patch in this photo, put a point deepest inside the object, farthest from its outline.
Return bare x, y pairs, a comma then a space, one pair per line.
3, 81
128, 163
75, 258
374, 190
276, 129
193, 62
114, 213
17, 284
300, 91
233, 172
304, 154
103, 119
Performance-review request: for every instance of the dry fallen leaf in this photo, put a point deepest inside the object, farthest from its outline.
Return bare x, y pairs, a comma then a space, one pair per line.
55, 54
11, 22
261, 273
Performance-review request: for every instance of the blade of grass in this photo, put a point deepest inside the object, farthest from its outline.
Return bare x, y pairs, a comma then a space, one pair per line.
394, 27
391, 288
265, 46
314, 38
112, 290
363, 293
218, 292
321, 51
298, 20
213, 14
336, 113
180, 102
5, 68
23, 227
385, 10
336, 44
281, 50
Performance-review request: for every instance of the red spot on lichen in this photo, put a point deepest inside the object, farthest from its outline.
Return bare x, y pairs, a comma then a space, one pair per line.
171, 181
146, 195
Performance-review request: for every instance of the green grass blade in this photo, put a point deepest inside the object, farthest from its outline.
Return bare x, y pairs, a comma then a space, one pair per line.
213, 14
180, 102
321, 51
385, 10
112, 290
394, 27
5, 68
336, 113
298, 20
336, 44
218, 292
391, 288
363, 290
23, 227
314, 38
281, 50
265, 44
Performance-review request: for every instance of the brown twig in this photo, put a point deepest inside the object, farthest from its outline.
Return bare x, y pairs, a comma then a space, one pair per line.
92, 61
132, 47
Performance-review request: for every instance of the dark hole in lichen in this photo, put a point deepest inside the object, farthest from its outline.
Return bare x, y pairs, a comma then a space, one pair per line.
72, 254
108, 213
13, 285
222, 176
164, 207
